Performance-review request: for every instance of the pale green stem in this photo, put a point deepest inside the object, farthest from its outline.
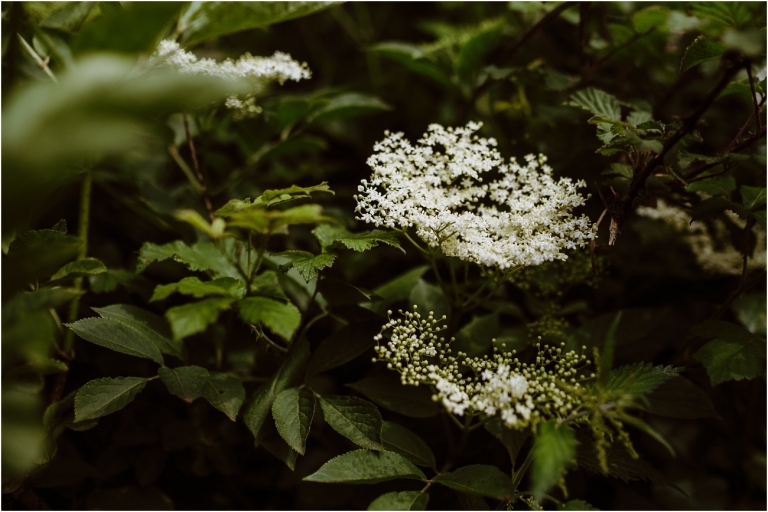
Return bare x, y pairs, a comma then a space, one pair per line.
518, 475
40, 62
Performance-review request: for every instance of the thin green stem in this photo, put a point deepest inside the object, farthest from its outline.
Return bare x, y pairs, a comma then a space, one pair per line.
416, 245
184, 168
40, 62
82, 234
518, 475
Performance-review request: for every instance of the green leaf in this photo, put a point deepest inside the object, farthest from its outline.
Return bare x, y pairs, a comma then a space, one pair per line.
140, 27
38, 300
267, 284
280, 317
760, 218
226, 286
621, 464
290, 374
147, 324
679, 398
293, 410
346, 105
68, 18
330, 235
719, 185
598, 102
365, 467
512, 439
80, 268
752, 197
404, 500
640, 378
733, 354
475, 337
554, 449
644, 427
685, 159
399, 439
104, 396
426, 298
34, 255
185, 382
640, 118
480, 480
414, 58
269, 222
215, 19
340, 293
386, 390
606, 357
576, 505
716, 205
271, 198
650, 18
195, 317
731, 14
400, 287
343, 346
306, 263
750, 310
225, 393
203, 256
354, 418
109, 281
477, 47
701, 50
116, 336
277, 446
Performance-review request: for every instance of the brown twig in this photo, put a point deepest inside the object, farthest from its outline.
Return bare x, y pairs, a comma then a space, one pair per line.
196, 165
758, 125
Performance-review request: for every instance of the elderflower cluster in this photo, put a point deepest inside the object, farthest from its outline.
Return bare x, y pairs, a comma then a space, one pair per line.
709, 242
258, 71
522, 216
521, 394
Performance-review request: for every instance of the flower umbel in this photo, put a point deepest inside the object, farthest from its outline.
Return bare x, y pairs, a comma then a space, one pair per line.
521, 394
522, 217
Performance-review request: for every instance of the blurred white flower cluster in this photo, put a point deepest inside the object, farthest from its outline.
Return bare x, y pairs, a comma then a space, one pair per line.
710, 242
258, 71
522, 217
521, 394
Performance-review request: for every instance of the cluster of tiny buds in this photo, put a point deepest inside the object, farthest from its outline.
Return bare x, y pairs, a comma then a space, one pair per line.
522, 394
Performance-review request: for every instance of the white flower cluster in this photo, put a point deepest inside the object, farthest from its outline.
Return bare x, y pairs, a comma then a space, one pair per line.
258, 71
711, 243
521, 394
522, 217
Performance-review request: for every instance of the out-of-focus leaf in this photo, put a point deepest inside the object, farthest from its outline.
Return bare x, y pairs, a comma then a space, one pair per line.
343, 346
753, 197
554, 449
209, 20
476, 47
426, 298
365, 467
185, 382
733, 354
598, 102
475, 337
116, 336
268, 222
195, 317
398, 288
512, 439
478, 479
68, 18
340, 293
414, 58
386, 390
719, 185
678, 398
701, 50
399, 439
650, 18
750, 311
104, 396
34, 255
576, 505
714, 206
356, 419
346, 105
293, 410
749, 42
731, 14
280, 317
225, 393
404, 500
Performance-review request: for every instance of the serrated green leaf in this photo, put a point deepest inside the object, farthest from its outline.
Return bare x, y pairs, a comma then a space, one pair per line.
701, 50
598, 102
147, 324
215, 19
346, 105
306, 263
512, 439
650, 18
225, 393
280, 317
480, 480
386, 390
679, 398
343, 346
271, 198
639, 118
330, 235
718, 185
195, 317
730, 14
733, 354
68, 18
214, 230
116, 336
640, 378
80, 268
104, 396
204, 256
752, 197
404, 500
399, 439
365, 467
685, 159
576, 505
268, 222
267, 284
354, 418
109, 281
426, 298
185, 382
616, 169
293, 410
553, 450
226, 286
